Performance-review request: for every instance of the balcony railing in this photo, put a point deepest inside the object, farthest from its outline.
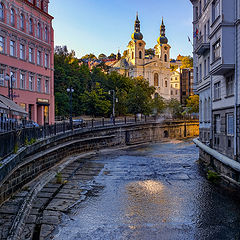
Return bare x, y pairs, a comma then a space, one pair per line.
201, 45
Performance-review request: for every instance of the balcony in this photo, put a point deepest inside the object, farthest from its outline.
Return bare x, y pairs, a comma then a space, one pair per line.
201, 46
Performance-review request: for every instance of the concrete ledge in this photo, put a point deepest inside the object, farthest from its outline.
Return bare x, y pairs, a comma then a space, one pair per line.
220, 157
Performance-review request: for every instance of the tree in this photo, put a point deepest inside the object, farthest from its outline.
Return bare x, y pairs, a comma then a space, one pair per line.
101, 56
139, 99
94, 102
193, 104
150, 51
173, 67
187, 62
89, 56
175, 108
112, 56
158, 104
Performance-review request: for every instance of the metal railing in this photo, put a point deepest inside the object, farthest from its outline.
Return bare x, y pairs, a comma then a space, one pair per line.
13, 136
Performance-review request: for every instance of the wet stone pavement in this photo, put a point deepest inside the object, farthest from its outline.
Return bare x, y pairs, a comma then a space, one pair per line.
150, 192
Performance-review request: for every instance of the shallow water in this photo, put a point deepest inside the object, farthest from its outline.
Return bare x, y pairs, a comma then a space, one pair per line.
152, 192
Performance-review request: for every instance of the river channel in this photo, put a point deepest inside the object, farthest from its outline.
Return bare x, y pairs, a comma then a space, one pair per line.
149, 192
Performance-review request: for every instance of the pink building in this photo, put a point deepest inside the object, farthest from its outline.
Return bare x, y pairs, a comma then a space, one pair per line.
27, 54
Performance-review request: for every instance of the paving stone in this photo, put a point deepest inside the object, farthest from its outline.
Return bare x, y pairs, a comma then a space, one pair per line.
44, 194
59, 204
67, 196
31, 219
28, 232
46, 230
39, 202
50, 220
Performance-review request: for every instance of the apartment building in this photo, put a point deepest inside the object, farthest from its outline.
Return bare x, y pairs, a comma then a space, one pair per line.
216, 72
27, 56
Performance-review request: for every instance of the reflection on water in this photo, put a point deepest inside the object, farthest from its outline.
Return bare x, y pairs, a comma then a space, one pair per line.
150, 193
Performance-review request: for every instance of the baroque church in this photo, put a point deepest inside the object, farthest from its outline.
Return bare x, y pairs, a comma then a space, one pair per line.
155, 69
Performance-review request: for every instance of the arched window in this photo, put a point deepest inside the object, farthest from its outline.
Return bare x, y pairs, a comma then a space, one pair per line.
165, 58
12, 17
1, 11
140, 54
166, 84
132, 55
30, 25
46, 34
22, 21
39, 30
156, 81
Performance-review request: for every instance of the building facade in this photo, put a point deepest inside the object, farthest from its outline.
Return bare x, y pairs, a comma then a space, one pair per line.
186, 85
216, 72
155, 69
175, 85
27, 57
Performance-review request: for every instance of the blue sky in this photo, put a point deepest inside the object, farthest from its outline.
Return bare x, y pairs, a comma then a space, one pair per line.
104, 26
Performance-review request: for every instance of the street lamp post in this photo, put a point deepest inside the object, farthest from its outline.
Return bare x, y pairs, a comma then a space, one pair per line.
11, 80
70, 90
114, 101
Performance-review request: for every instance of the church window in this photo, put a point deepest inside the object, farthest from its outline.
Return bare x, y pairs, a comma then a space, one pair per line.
156, 82
165, 83
132, 55
140, 54
165, 58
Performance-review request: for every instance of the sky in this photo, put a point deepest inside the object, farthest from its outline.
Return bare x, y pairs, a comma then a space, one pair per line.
104, 26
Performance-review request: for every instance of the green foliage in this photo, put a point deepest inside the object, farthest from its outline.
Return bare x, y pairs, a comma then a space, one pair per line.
15, 149
173, 67
101, 56
140, 97
175, 108
112, 56
32, 141
213, 176
150, 51
193, 104
187, 62
89, 56
59, 178
158, 104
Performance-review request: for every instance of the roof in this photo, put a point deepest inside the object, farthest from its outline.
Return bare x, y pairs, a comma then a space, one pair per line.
121, 64
7, 104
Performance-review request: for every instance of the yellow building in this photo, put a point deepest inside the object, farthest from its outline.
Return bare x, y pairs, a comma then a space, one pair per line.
155, 69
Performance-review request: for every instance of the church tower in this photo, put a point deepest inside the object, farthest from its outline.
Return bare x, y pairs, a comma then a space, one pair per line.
162, 49
136, 47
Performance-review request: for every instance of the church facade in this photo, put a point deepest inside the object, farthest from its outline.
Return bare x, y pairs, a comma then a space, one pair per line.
155, 69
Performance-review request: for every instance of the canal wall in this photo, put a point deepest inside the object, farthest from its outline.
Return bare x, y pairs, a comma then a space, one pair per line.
227, 168
30, 161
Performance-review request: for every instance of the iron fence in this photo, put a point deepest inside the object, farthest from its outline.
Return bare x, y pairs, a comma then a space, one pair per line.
14, 136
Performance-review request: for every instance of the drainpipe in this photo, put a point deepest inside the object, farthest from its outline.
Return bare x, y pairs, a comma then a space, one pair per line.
236, 83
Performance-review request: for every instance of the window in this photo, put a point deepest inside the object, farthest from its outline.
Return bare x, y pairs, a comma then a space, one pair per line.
30, 26
166, 84
39, 84
216, 50
31, 55
140, 54
2, 44
208, 67
14, 83
200, 111
205, 68
176, 92
22, 21
22, 81
46, 60
217, 90
22, 51
200, 73
1, 77
12, 48
46, 34
1, 12
215, 10
39, 58
176, 85
196, 13
165, 58
197, 74
229, 86
200, 7
12, 17
230, 124
46, 86
132, 55
171, 92
217, 120
31, 83
156, 81
208, 28
39, 30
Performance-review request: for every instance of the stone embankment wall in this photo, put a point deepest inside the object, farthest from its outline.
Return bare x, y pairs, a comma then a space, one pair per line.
29, 162
227, 168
